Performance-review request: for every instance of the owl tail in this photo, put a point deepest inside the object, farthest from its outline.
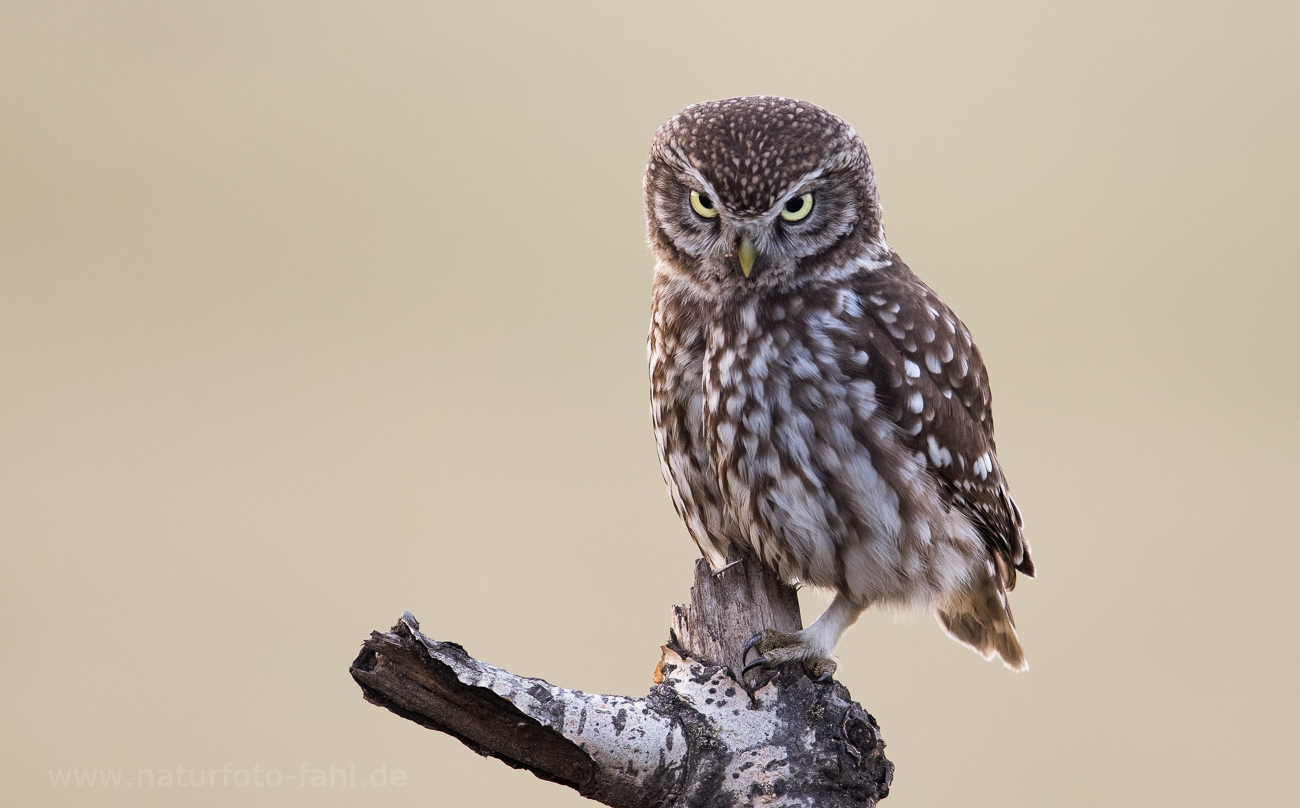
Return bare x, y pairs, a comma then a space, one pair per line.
980, 618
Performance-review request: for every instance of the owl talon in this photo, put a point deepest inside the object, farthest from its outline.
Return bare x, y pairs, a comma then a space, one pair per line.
775, 647
749, 646
820, 671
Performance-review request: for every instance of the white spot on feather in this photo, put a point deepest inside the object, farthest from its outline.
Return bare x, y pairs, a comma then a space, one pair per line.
803, 368
862, 395
735, 404
725, 362
849, 303
727, 433
912, 369
938, 455
759, 421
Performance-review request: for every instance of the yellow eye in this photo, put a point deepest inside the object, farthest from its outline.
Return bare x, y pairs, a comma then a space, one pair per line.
703, 205
797, 208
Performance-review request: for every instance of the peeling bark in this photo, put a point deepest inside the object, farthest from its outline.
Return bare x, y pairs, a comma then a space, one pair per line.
699, 738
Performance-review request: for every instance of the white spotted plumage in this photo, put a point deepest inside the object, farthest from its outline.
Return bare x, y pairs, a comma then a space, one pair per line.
825, 412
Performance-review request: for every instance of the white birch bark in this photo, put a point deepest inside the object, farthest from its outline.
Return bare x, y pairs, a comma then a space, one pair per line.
698, 738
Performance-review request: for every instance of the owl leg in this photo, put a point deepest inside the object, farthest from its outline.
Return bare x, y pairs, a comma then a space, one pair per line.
814, 646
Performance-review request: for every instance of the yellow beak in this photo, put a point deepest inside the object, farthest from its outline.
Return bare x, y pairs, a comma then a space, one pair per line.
747, 255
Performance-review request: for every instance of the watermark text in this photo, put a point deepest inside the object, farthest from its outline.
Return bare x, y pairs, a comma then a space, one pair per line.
308, 775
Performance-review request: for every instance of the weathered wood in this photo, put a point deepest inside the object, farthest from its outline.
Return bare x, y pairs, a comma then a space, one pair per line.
700, 738
728, 607
561, 735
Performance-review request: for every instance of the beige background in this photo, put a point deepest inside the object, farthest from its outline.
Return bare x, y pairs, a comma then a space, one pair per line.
314, 312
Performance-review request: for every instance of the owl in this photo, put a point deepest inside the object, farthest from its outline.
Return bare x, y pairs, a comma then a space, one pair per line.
816, 405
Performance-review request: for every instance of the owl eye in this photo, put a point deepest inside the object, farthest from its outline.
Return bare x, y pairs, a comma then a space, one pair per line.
797, 208
703, 205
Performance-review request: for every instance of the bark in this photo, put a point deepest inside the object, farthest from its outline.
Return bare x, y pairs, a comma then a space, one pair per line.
699, 738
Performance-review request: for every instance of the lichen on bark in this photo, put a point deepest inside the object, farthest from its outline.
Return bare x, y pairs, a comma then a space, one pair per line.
700, 737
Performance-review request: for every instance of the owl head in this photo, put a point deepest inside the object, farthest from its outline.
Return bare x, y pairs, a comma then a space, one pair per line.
749, 195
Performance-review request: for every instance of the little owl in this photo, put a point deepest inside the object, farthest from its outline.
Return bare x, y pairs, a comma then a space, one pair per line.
815, 404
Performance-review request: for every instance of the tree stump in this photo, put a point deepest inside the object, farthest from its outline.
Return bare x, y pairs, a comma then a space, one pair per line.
701, 737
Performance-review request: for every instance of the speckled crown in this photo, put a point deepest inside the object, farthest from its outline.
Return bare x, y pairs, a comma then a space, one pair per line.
751, 149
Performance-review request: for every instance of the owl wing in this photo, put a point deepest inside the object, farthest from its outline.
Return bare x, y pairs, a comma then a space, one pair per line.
929, 376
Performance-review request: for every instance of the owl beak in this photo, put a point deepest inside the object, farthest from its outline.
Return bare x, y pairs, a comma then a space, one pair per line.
747, 254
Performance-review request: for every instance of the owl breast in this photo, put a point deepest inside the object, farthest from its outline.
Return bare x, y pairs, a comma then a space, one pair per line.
772, 435
676, 349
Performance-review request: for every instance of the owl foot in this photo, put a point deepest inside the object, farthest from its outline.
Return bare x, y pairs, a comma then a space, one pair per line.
775, 647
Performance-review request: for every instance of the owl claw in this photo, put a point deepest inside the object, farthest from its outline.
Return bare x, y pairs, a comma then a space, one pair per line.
820, 670
775, 647
749, 646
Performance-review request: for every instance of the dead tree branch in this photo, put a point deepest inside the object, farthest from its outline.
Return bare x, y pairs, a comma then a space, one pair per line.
699, 738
